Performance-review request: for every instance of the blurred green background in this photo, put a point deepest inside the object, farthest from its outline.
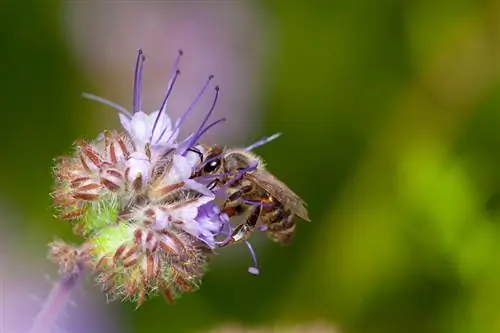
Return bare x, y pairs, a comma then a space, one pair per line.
391, 116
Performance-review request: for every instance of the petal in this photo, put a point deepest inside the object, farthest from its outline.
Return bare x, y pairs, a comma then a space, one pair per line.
138, 164
139, 127
164, 126
194, 158
181, 167
125, 121
186, 213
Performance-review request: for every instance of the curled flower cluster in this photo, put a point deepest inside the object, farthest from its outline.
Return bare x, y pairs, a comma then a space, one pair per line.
147, 225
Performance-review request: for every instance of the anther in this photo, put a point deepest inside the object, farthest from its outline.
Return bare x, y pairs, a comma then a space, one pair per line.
136, 102
252, 269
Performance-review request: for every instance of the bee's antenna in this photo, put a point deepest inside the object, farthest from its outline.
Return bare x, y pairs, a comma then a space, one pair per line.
107, 102
252, 269
263, 141
136, 99
173, 78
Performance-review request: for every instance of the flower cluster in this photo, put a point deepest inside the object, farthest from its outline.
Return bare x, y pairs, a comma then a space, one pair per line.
147, 225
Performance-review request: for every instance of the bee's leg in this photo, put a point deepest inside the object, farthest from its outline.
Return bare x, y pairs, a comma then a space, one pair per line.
243, 190
254, 216
282, 228
232, 207
244, 230
232, 211
213, 185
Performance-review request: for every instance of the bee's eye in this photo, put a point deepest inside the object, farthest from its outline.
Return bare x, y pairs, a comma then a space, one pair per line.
212, 166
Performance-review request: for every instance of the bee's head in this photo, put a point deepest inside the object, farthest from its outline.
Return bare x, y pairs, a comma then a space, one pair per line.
237, 160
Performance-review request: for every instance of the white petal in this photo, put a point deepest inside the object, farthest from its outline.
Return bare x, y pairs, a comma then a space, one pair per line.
125, 121
164, 125
186, 213
182, 167
138, 164
194, 158
139, 127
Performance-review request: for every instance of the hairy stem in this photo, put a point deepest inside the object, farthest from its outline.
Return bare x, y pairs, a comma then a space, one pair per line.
56, 301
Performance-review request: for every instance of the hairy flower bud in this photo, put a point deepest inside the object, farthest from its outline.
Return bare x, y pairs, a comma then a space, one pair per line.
133, 261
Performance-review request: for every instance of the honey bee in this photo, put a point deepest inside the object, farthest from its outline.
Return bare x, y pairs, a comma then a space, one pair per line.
249, 186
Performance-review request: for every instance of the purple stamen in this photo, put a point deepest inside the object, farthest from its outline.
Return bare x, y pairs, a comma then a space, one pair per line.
104, 101
222, 189
163, 105
252, 269
263, 141
262, 228
173, 78
200, 129
190, 108
136, 100
200, 134
217, 175
229, 232
257, 203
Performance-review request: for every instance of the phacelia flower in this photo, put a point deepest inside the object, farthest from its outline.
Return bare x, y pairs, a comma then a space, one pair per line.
148, 226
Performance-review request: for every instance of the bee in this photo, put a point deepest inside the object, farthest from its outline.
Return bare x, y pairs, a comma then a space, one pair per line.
249, 186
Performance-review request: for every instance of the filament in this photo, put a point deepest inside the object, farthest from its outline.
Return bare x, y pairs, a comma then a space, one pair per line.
107, 102
190, 107
263, 141
136, 101
173, 78
255, 268
200, 129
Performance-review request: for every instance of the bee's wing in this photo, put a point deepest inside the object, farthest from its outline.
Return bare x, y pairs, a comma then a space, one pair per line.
280, 191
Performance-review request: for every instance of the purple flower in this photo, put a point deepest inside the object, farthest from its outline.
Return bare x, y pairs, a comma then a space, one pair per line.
145, 220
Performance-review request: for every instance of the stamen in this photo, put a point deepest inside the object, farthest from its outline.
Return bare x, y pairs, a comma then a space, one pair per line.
263, 141
238, 173
190, 107
173, 78
136, 101
252, 269
215, 175
210, 126
257, 203
241, 173
200, 129
104, 101
228, 233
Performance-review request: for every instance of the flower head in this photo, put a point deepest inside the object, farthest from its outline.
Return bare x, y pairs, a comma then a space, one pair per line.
148, 225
